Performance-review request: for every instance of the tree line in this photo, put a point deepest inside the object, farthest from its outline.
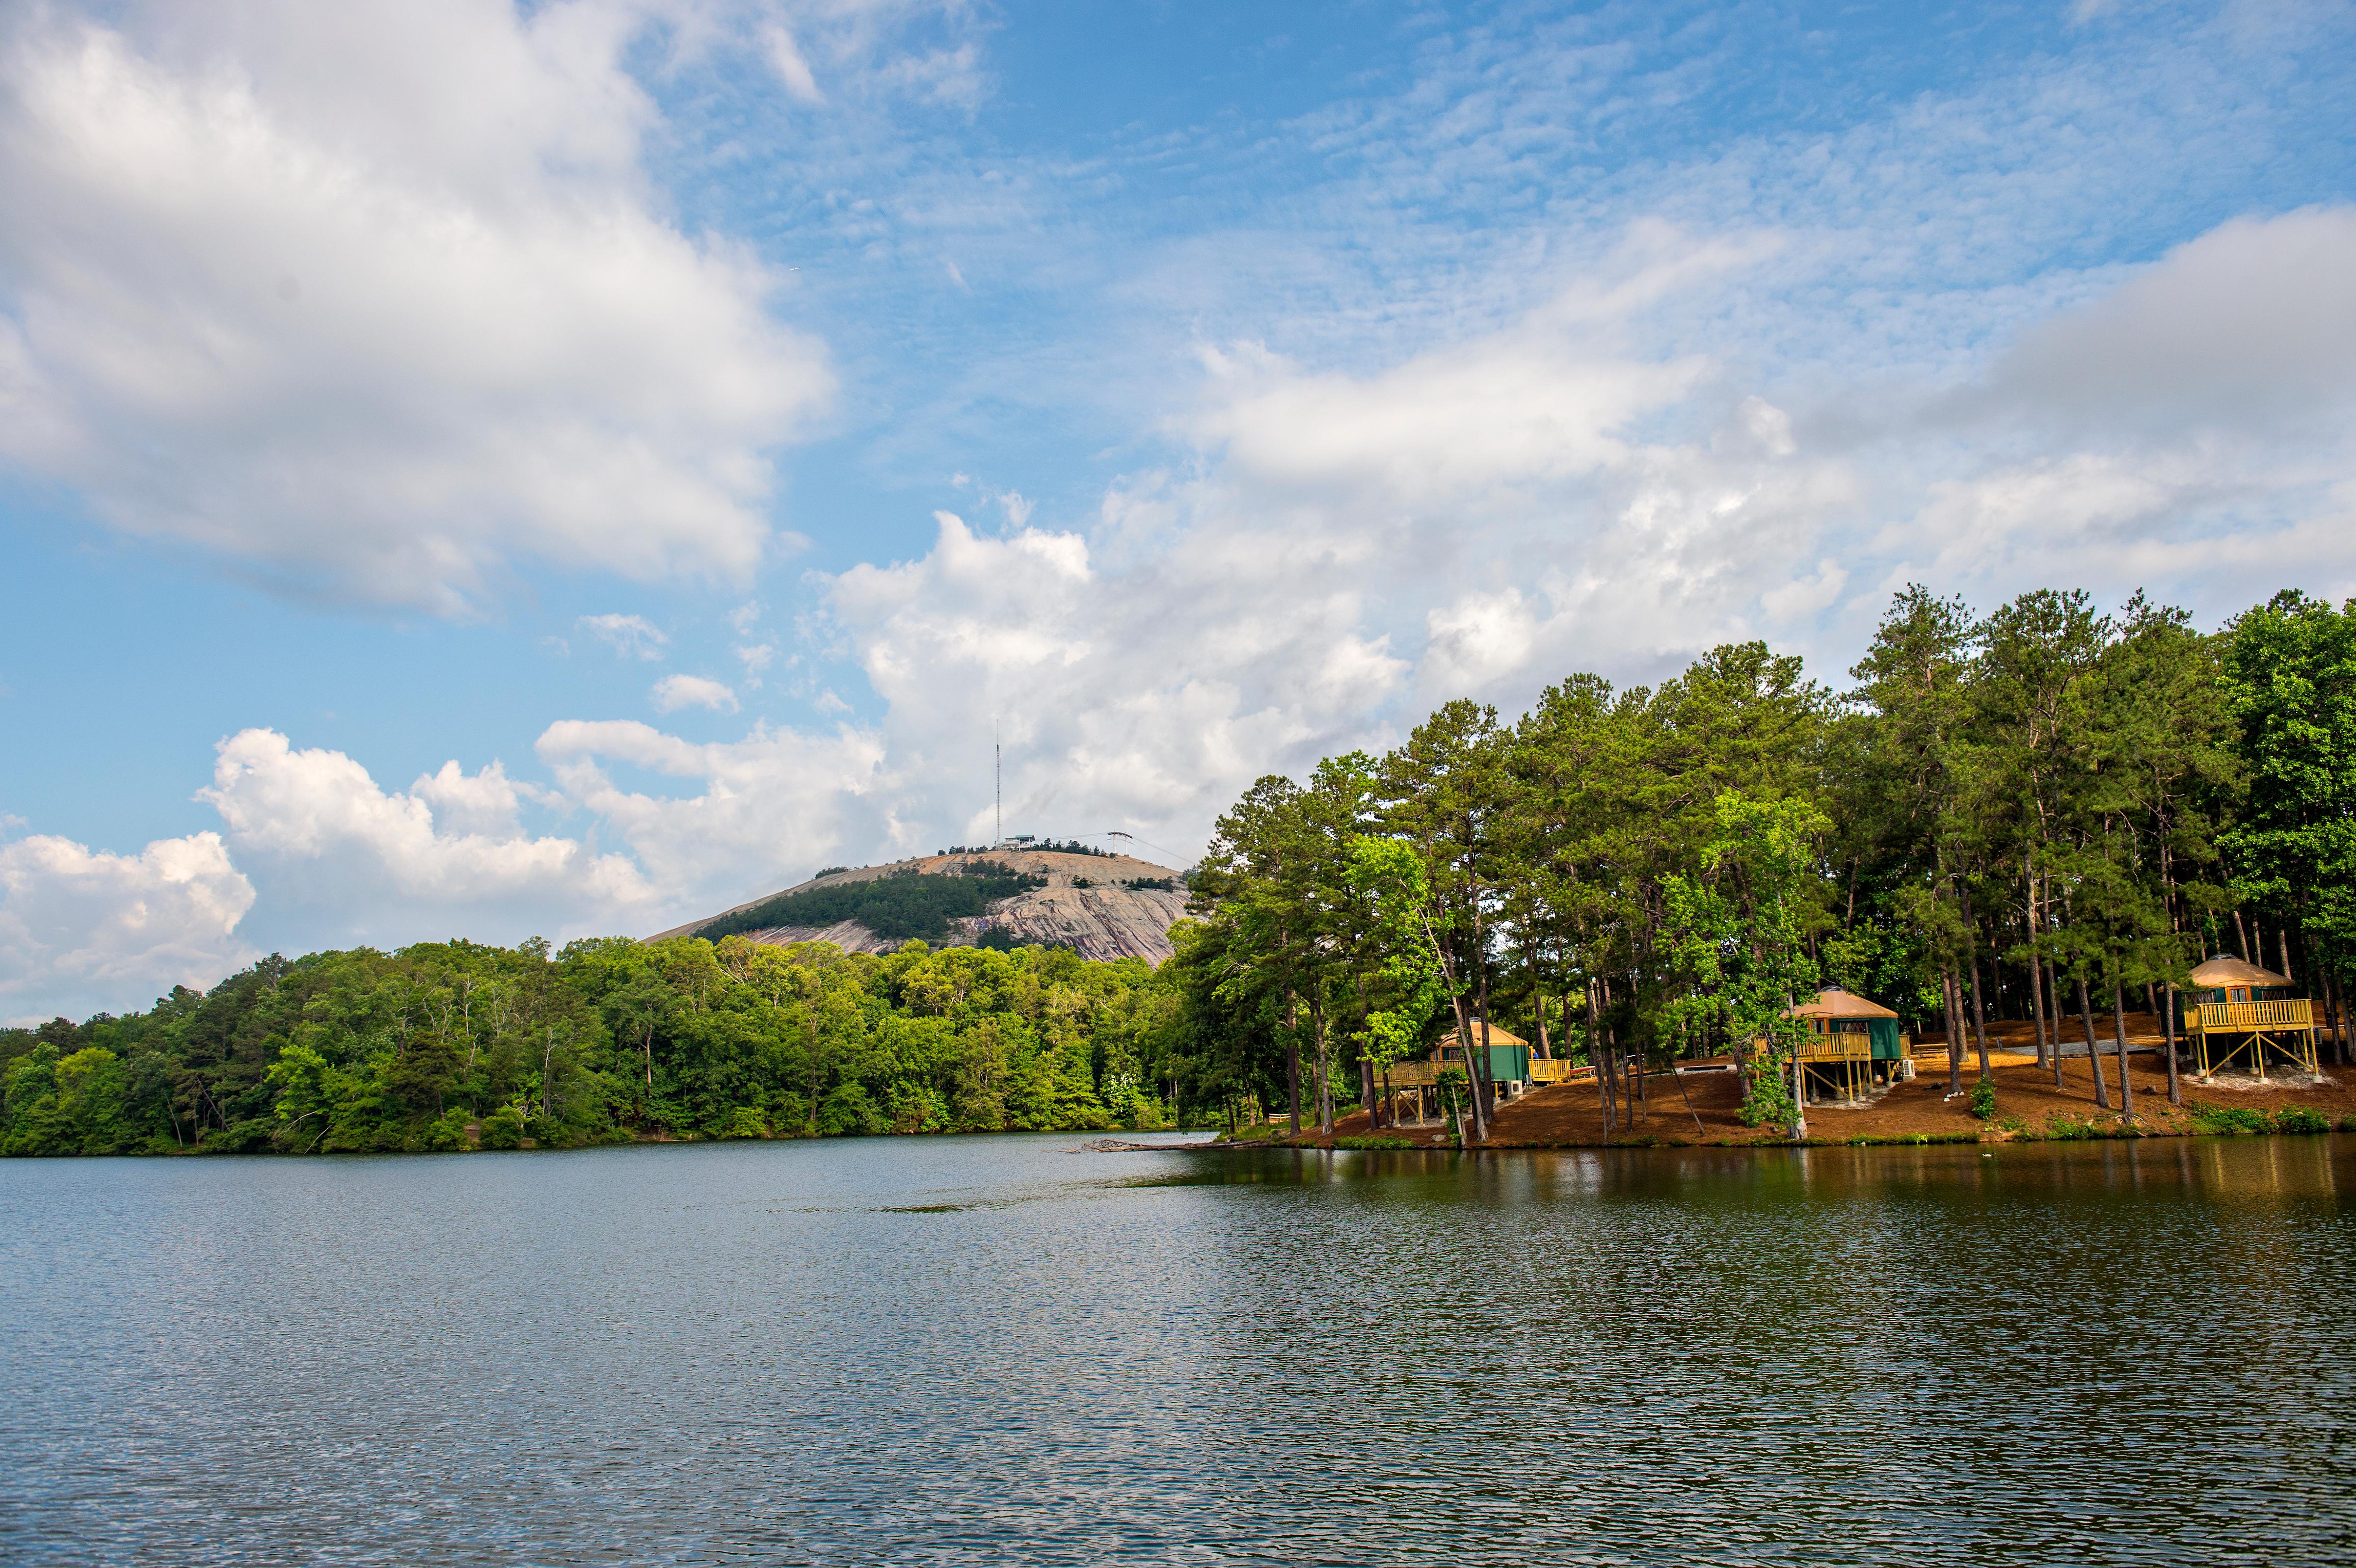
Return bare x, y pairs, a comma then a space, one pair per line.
446, 1046
2039, 813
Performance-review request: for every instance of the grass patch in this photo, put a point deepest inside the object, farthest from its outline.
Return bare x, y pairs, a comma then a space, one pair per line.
2228, 1121
1374, 1141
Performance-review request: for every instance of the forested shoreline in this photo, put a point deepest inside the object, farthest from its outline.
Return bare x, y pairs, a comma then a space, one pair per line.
2039, 812
449, 1046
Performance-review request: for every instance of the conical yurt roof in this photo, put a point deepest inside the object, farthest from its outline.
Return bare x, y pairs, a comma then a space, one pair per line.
2217, 973
1832, 1002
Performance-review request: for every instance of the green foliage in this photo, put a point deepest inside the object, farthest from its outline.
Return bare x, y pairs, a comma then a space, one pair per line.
2300, 1119
503, 1128
610, 1039
1738, 929
1982, 1101
1374, 1141
2230, 1119
744, 1122
900, 907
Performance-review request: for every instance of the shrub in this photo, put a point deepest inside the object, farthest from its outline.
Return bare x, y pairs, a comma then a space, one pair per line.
2299, 1119
850, 1112
1374, 1141
2226, 1120
503, 1128
1983, 1099
743, 1122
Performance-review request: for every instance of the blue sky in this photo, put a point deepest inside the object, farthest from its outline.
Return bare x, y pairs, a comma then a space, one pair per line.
480, 470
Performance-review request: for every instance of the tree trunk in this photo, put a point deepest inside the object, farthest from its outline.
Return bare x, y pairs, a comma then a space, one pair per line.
2282, 940
1799, 1099
2094, 1051
1324, 1068
2335, 1004
2036, 988
2168, 1029
1471, 1083
1979, 1019
2119, 1037
1597, 1058
2054, 992
1951, 998
1366, 1094
1485, 1088
1292, 1059
1539, 999
2242, 933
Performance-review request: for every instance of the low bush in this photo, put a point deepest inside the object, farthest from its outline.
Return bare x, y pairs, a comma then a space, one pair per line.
744, 1122
2229, 1120
1983, 1099
2299, 1119
503, 1128
1374, 1141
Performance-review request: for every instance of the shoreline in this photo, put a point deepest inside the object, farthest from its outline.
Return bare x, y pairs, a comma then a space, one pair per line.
1700, 1111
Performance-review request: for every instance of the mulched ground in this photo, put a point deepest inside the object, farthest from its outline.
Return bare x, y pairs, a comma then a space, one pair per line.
2027, 1103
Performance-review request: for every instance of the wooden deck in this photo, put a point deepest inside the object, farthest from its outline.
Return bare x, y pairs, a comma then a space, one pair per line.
2222, 1033
2248, 1018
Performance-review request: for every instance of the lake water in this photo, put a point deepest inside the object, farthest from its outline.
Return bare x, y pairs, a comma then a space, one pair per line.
1012, 1349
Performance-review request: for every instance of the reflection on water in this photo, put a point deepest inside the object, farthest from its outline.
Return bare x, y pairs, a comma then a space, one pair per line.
1010, 1349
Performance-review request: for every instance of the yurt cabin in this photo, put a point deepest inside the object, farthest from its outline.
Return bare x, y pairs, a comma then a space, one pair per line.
2236, 1010
1852, 1045
1509, 1069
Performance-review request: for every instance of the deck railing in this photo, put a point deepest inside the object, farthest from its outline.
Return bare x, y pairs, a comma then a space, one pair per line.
1836, 1048
2248, 1017
1557, 1070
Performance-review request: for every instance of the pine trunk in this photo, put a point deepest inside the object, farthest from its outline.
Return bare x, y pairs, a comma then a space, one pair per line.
2119, 1036
2167, 1032
1979, 1020
2053, 991
2094, 1051
1950, 995
1292, 1060
2036, 978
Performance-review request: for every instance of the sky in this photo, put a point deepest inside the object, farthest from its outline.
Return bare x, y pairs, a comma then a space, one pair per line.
481, 470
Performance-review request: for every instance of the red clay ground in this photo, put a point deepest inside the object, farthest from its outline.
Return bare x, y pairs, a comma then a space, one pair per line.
2027, 1103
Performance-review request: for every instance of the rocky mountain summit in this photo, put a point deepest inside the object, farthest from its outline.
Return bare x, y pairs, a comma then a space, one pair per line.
1100, 906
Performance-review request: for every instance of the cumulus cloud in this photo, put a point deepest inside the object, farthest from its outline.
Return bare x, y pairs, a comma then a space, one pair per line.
342, 859
83, 929
375, 301
1130, 700
760, 813
673, 692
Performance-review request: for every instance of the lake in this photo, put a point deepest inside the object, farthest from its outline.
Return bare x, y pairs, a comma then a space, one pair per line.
1014, 1349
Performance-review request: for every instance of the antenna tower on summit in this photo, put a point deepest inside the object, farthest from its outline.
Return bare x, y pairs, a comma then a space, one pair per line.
998, 790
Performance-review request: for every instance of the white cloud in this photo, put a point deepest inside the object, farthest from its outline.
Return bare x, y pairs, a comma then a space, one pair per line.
375, 301
84, 930
785, 59
1141, 700
756, 658
673, 692
631, 637
770, 808
341, 859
